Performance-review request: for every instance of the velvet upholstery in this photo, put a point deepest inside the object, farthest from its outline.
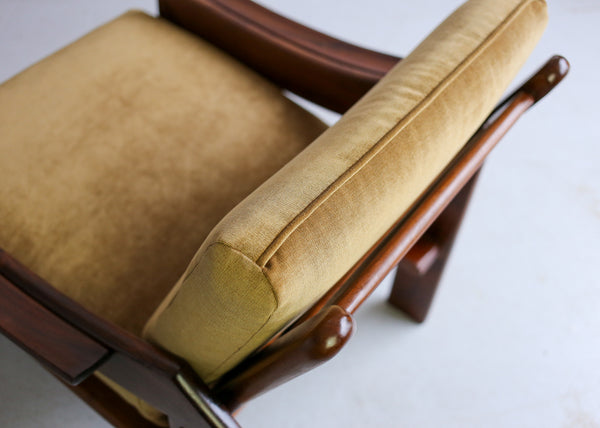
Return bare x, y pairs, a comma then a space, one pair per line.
119, 154
287, 243
125, 152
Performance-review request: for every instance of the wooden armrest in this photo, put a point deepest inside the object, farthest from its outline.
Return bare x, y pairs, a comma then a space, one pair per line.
298, 351
320, 68
68, 353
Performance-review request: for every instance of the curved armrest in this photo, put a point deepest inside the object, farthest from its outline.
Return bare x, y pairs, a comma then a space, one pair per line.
327, 71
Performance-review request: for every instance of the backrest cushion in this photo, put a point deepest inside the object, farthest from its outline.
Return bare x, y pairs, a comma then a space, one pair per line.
287, 243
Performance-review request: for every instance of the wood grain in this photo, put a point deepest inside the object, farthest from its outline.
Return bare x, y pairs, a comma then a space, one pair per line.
67, 352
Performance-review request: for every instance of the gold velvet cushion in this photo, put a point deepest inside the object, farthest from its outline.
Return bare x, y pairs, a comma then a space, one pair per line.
119, 154
286, 244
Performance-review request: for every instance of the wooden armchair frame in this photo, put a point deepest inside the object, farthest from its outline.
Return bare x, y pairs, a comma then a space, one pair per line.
74, 343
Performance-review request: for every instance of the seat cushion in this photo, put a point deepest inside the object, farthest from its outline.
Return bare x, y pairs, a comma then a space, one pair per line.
119, 154
286, 244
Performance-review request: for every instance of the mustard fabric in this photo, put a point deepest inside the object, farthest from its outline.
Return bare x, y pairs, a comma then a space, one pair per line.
300, 231
119, 154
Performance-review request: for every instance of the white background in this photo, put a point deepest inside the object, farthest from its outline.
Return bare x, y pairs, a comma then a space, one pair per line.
513, 336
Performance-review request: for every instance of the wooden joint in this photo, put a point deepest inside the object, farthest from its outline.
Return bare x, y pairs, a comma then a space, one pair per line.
422, 255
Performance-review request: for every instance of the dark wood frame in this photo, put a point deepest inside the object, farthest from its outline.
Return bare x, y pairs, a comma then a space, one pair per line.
74, 343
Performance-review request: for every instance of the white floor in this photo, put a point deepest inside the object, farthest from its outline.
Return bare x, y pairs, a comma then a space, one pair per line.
513, 337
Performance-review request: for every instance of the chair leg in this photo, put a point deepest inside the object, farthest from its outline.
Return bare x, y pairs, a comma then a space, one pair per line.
419, 273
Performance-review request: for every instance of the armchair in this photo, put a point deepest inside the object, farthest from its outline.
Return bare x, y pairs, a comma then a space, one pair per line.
320, 255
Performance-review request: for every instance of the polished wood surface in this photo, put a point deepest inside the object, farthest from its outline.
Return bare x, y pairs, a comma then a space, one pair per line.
550, 75
320, 68
67, 352
76, 315
301, 349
